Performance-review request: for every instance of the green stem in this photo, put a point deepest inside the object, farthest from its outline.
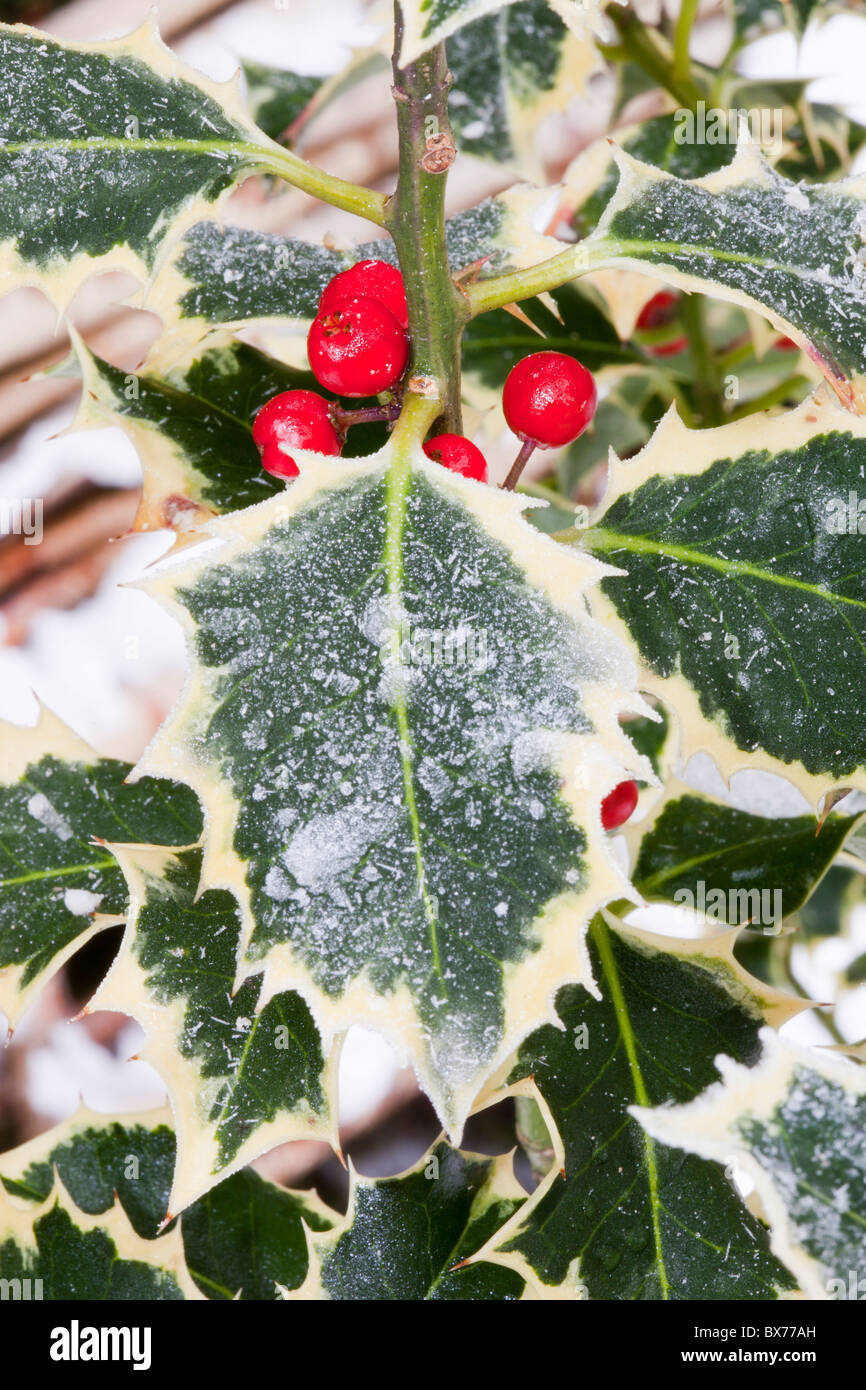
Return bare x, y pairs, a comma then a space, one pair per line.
351, 197
682, 66
515, 285
708, 386
650, 51
415, 217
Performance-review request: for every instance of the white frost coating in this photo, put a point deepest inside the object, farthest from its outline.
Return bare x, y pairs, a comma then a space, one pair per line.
536, 750
330, 844
40, 808
80, 902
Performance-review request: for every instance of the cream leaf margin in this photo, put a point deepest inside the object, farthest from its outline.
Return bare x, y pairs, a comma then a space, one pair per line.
676, 449
706, 1127
589, 765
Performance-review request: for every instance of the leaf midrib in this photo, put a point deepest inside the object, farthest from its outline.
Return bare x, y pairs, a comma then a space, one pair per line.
600, 936
600, 538
140, 144
398, 480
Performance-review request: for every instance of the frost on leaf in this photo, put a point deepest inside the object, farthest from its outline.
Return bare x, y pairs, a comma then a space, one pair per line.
408, 1237
59, 884
106, 151
241, 1079
231, 275
402, 723
793, 251
746, 591
239, 1240
795, 1125
619, 1216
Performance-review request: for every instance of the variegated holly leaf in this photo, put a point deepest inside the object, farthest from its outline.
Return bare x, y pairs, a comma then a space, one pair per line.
428, 22
792, 251
619, 1216
591, 179
54, 1252
407, 1237
191, 424
402, 725
512, 68
730, 865
233, 276
745, 591
795, 1125
106, 151
276, 97
59, 803
241, 1077
240, 1240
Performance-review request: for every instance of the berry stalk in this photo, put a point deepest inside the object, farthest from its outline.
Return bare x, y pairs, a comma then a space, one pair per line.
527, 449
415, 217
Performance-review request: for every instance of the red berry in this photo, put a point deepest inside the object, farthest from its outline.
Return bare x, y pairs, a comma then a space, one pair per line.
786, 345
669, 349
297, 419
358, 349
549, 399
618, 805
276, 462
458, 454
368, 280
659, 311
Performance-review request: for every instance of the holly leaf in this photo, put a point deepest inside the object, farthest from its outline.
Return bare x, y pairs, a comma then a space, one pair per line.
619, 1216
745, 589
408, 1237
511, 69
59, 803
732, 866
748, 235
191, 424
234, 276
794, 1124
356, 766
239, 1240
106, 152
428, 22
55, 1252
242, 1075
590, 181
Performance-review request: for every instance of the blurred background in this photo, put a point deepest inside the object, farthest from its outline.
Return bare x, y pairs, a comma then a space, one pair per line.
104, 657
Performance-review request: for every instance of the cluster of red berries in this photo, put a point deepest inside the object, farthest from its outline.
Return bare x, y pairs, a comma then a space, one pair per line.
358, 345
